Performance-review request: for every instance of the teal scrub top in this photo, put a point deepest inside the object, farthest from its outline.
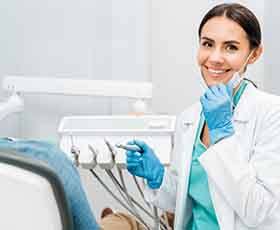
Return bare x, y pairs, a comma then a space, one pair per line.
203, 213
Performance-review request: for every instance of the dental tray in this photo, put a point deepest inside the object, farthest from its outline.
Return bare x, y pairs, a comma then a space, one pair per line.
80, 131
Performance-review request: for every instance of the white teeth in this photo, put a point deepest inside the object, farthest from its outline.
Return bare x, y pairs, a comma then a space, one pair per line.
216, 71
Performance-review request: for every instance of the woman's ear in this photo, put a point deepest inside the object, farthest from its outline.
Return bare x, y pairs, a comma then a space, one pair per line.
256, 54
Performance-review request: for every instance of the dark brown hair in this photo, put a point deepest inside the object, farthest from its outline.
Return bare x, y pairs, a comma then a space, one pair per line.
239, 14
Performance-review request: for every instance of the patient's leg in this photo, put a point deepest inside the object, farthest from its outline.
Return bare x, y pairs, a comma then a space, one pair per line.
83, 217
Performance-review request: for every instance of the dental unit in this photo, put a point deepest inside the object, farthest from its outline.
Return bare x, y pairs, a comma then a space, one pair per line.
99, 141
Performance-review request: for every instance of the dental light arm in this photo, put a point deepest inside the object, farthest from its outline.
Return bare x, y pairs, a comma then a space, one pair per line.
141, 91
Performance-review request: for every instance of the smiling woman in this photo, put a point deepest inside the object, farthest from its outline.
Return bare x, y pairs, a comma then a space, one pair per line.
225, 168
227, 44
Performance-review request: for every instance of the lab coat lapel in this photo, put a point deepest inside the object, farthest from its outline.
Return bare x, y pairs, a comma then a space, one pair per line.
242, 110
188, 129
244, 119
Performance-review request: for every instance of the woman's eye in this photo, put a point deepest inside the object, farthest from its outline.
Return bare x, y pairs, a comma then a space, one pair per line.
231, 48
206, 44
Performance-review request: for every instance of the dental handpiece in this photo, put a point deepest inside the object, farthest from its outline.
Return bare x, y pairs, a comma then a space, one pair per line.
134, 148
93, 151
75, 151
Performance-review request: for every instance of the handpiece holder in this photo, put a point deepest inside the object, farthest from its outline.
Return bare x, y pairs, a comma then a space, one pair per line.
155, 130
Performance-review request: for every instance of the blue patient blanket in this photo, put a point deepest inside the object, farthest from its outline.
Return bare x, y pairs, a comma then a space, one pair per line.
83, 217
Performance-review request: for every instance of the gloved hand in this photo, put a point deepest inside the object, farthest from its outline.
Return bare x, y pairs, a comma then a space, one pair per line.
217, 105
145, 164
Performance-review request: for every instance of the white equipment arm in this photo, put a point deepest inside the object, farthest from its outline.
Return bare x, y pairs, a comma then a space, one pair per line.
66, 86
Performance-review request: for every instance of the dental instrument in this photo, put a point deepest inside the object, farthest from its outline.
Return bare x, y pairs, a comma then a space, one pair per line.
126, 197
163, 222
127, 194
123, 190
75, 151
133, 148
121, 187
134, 201
112, 194
147, 165
140, 190
157, 219
87, 159
111, 148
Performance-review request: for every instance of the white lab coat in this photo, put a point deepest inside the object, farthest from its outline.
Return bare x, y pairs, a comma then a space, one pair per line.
243, 170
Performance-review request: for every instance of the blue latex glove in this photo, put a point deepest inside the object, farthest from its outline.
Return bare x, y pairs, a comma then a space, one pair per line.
83, 217
217, 106
145, 164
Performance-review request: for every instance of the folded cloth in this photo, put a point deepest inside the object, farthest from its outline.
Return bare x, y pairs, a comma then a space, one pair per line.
83, 217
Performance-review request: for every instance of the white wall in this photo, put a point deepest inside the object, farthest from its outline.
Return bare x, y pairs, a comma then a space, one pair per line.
272, 46
77, 39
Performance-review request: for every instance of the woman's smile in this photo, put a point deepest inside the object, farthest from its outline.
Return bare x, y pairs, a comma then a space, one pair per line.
216, 73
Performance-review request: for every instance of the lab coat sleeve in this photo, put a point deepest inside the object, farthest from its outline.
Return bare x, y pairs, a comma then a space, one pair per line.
251, 186
165, 196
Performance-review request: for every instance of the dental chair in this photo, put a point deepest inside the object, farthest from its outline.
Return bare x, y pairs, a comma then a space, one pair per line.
31, 196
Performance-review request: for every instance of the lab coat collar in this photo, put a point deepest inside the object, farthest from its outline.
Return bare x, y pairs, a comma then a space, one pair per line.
242, 110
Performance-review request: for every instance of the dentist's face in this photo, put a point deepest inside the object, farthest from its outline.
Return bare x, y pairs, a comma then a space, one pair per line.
223, 50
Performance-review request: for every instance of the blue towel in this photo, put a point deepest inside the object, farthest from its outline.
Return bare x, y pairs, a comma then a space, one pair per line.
83, 217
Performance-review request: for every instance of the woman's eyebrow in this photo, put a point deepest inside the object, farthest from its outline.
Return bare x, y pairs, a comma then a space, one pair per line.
208, 39
232, 42
226, 42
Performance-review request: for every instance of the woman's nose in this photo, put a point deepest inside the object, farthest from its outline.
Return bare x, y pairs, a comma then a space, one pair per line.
216, 56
